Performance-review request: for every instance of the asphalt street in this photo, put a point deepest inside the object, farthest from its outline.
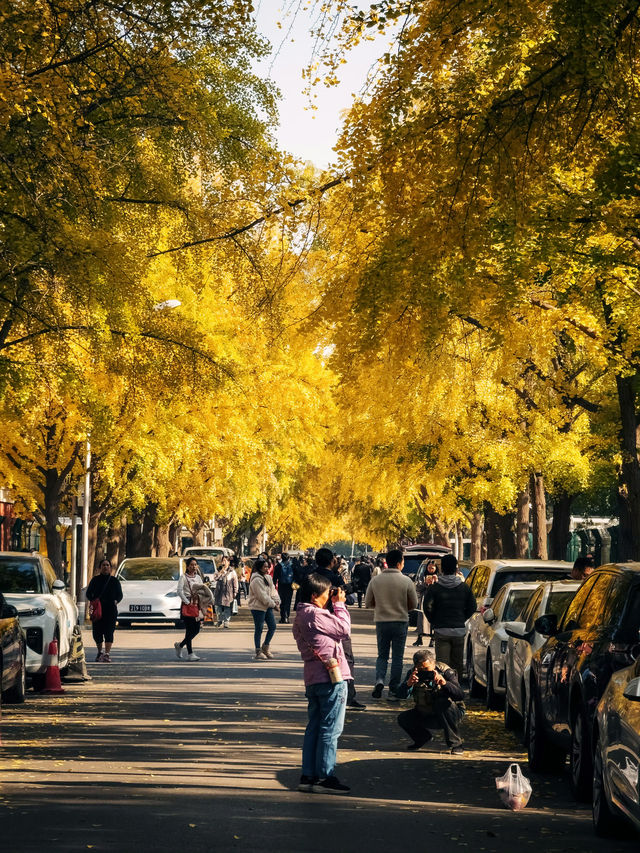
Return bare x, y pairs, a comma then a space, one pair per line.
160, 755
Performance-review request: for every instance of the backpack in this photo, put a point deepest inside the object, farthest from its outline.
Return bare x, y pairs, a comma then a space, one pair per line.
286, 574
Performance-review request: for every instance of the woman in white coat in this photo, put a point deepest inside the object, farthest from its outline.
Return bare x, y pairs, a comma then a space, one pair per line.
262, 601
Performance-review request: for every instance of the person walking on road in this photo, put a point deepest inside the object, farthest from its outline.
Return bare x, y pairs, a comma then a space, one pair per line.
107, 589
392, 595
225, 593
189, 588
326, 566
320, 635
438, 702
447, 605
361, 576
283, 578
262, 601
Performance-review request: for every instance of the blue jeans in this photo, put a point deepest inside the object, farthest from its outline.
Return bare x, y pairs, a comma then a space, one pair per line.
327, 706
223, 612
259, 618
391, 636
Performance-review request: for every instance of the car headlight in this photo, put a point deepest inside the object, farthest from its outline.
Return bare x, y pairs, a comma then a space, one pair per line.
35, 611
173, 594
503, 646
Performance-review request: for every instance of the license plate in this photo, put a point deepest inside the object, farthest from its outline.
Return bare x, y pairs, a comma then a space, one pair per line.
139, 608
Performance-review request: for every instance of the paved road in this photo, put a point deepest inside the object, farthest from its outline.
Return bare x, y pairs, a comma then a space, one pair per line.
158, 755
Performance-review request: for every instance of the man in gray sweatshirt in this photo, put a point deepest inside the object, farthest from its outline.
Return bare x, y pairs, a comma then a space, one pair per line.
447, 605
392, 595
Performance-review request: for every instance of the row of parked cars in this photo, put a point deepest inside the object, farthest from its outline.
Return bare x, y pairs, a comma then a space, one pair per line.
563, 659
35, 609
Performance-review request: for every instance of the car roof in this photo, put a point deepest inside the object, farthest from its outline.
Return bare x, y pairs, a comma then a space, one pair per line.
498, 565
152, 559
625, 567
427, 547
22, 554
517, 585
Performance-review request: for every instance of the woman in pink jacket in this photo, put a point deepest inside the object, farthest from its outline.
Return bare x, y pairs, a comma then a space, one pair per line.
319, 632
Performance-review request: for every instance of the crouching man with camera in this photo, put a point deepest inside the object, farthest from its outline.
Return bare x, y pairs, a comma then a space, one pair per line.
438, 702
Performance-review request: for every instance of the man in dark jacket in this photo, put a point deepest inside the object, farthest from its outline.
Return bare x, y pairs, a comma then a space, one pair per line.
438, 702
361, 575
327, 566
283, 576
447, 605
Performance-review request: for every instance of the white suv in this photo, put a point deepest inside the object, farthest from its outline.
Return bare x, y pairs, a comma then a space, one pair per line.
45, 609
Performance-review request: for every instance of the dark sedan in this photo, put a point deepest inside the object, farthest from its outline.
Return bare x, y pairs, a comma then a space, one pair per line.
596, 636
13, 666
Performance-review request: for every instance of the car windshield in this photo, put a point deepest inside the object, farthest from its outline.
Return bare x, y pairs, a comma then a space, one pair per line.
206, 565
412, 563
559, 601
208, 552
525, 576
19, 576
150, 570
516, 601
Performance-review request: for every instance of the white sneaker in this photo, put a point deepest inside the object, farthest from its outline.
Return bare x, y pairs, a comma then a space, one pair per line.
178, 649
192, 657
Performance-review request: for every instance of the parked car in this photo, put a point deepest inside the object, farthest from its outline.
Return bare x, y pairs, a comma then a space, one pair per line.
488, 577
13, 655
616, 750
596, 636
523, 640
149, 589
415, 555
487, 641
46, 610
210, 551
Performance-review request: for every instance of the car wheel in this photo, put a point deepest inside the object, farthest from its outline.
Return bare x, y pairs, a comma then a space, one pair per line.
474, 688
16, 694
511, 716
493, 701
543, 756
605, 822
580, 759
38, 681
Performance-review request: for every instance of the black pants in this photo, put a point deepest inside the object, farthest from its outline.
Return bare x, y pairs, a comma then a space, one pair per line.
348, 654
360, 593
418, 725
103, 629
285, 591
192, 629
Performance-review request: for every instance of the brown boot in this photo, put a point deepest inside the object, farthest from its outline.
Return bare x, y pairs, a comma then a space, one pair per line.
265, 651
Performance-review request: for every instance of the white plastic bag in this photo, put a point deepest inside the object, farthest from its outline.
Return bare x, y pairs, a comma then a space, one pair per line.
514, 788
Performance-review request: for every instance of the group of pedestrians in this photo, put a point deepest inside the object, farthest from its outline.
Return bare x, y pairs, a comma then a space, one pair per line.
322, 631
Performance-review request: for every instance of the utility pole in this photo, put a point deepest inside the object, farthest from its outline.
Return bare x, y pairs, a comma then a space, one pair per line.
85, 516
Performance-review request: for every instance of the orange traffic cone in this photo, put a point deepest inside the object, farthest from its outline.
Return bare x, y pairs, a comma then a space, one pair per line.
52, 682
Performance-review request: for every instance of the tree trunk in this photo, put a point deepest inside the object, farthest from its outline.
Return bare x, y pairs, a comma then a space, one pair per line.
161, 542
476, 537
460, 541
560, 528
94, 521
501, 540
52, 498
629, 474
198, 532
522, 525
115, 544
140, 534
441, 536
539, 503
174, 537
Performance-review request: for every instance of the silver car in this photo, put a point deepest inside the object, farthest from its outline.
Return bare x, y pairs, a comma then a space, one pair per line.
616, 764
524, 640
149, 588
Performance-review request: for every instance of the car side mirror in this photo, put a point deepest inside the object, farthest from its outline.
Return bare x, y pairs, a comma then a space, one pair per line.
516, 630
632, 690
59, 585
8, 611
547, 625
489, 616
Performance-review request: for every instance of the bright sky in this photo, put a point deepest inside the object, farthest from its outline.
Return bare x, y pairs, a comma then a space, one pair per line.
306, 133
